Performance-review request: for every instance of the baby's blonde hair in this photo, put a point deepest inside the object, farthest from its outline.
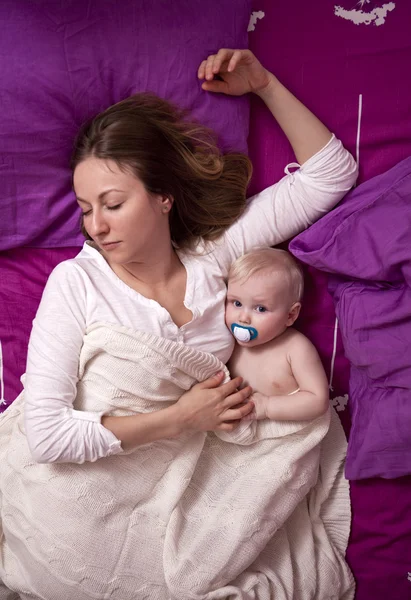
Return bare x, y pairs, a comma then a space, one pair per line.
272, 260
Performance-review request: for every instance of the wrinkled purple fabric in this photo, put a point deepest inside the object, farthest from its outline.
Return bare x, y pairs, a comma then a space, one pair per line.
63, 62
365, 244
327, 61
23, 275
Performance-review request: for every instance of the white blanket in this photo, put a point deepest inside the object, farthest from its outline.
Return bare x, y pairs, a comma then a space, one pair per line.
197, 517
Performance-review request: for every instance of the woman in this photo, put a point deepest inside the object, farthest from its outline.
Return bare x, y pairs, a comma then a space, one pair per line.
135, 274
165, 216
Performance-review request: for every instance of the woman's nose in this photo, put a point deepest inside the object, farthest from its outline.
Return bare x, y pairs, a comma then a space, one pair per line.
98, 224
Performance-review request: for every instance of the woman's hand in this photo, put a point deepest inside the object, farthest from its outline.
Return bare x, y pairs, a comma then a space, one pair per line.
239, 70
210, 406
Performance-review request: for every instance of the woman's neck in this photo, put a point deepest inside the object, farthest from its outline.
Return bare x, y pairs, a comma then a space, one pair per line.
155, 272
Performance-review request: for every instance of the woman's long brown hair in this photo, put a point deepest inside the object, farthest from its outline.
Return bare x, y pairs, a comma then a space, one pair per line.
173, 157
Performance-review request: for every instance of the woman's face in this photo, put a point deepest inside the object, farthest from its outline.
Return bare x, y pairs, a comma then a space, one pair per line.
122, 218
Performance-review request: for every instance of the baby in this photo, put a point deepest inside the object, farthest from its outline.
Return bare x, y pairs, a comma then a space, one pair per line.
282, 366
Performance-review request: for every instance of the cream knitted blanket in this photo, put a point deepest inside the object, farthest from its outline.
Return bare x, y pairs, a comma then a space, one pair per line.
259, 515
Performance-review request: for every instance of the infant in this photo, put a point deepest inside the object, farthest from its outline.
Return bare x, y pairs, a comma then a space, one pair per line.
265, 289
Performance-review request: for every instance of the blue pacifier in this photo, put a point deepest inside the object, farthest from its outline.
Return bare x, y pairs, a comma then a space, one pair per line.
242, 333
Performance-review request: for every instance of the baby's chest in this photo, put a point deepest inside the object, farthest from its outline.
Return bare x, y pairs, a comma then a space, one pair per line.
268, 372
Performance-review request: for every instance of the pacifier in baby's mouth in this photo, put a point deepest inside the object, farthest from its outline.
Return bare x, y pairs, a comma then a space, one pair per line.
243, 333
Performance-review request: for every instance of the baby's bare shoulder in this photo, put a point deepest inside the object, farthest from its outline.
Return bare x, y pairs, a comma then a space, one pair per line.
297, 342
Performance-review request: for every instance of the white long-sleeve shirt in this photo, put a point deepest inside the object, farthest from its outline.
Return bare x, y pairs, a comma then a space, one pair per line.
85, 290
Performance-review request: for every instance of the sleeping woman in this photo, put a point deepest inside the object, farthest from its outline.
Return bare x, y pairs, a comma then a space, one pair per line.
127, 399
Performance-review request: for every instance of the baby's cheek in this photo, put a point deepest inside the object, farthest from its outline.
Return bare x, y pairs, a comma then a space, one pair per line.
227, 316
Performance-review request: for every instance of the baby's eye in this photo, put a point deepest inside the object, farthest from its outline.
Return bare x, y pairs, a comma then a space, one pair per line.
260, 309
237, 303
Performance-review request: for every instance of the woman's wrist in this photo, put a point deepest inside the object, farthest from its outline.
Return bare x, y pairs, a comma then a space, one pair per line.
145, 428
174, 423
267, 89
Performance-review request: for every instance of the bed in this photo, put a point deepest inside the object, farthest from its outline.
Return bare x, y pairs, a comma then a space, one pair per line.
348, 63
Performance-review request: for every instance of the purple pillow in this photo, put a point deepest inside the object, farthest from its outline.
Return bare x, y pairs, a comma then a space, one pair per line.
63, 62
365, 245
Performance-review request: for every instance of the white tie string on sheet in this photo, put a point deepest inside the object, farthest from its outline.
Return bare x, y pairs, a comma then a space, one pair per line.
357, 152
357, 146
2, 400
334, 354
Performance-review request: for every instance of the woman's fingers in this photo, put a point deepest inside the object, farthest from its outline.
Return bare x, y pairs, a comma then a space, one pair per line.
227, 389
234, 60
237, 397
217, 87
224, 60
201, 70
212, 382
221, 60
228, 426
209, 67
236, 414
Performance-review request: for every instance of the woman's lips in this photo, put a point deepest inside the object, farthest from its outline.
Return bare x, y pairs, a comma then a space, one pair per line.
110, 245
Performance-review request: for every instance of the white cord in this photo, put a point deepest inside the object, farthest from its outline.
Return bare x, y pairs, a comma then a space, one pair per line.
359, 129
2, 400
334, 354
357, 148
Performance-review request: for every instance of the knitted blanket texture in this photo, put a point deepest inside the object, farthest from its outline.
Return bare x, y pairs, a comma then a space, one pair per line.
261, 513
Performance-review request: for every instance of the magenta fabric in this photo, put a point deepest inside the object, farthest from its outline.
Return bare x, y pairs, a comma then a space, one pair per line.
317, 322
23, 275
379, 551
63, 62
328, 61
365, 245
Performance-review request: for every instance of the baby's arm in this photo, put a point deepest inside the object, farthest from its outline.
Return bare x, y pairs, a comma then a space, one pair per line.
311, 401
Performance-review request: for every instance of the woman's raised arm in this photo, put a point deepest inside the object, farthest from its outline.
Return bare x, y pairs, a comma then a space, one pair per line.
327, 172
241, 72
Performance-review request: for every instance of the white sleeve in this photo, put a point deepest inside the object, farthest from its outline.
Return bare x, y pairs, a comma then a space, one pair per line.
55, 431
291, 205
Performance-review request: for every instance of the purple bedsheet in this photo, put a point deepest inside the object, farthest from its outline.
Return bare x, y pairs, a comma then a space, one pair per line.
62, 62
23, 275
329, 61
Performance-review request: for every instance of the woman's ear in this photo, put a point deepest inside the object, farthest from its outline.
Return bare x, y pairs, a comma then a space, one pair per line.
293, 314
166, 203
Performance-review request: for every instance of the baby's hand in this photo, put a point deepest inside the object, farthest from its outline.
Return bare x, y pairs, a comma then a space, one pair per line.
260, 407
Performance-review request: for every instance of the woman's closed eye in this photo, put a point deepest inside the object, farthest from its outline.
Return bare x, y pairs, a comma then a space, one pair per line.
115, 207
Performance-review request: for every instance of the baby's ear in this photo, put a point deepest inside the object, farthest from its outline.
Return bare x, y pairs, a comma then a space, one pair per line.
293, 313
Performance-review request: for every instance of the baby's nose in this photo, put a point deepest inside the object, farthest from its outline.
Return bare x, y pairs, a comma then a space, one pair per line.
245, 317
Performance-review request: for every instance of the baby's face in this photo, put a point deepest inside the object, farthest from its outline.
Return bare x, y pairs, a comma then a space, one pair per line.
257, 308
